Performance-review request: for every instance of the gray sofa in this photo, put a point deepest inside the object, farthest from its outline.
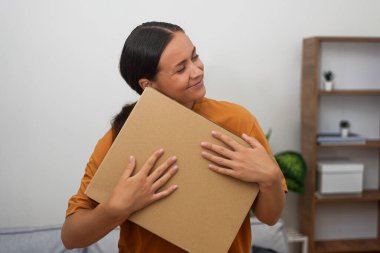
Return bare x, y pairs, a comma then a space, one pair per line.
48, 240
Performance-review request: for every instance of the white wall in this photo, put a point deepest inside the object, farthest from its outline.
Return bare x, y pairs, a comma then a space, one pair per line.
60, 86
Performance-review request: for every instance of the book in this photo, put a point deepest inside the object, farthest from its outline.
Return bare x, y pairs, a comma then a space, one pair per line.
336, 138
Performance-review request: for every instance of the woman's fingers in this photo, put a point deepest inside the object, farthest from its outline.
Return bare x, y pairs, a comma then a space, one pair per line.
218, 149
130, 167
161, 175
228, 172
162, 180
149, 164
162, 168
164, 193
225, 156
218, 160
253, 142
226, 140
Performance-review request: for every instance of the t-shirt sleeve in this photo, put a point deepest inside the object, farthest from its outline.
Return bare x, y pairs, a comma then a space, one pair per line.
258, 133
80, 199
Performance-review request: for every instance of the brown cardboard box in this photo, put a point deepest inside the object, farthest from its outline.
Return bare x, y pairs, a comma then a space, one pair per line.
207, 210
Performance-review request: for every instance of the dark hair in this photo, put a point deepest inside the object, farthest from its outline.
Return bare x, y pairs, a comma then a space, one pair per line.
139, 59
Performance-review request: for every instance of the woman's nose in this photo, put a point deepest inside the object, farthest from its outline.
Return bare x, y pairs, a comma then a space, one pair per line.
196, 70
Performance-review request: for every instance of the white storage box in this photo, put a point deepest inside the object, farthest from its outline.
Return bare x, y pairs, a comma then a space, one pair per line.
340, 177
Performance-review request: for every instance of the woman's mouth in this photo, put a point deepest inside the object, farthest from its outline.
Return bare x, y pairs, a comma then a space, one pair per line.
196, 85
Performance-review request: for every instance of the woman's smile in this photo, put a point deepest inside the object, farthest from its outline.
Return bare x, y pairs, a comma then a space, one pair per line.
197, 84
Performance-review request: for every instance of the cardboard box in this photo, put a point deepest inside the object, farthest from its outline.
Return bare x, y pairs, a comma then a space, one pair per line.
340, 177
207, 210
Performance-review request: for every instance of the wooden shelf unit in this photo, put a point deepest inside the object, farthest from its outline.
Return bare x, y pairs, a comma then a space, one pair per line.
310, 99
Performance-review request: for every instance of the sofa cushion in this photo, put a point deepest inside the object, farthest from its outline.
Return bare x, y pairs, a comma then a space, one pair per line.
269, 237
48, 240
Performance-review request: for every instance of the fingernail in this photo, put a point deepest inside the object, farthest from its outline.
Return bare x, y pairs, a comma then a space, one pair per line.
175, 167
161, 150
213, 132
173, 158
203, 143
245, 136
130, 158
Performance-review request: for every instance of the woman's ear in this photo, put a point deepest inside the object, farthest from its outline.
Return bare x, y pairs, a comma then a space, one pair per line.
143, 82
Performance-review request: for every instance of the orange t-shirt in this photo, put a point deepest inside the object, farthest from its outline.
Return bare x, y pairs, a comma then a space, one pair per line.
136, 239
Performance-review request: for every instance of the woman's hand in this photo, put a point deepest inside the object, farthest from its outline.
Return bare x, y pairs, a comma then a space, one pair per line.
130, 194
252, 164
138, 191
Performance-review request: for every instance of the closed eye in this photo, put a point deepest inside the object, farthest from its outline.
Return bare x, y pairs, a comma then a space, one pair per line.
181, 70
182, 65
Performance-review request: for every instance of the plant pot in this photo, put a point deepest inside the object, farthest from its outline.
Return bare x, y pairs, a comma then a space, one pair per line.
344, 131
329, 85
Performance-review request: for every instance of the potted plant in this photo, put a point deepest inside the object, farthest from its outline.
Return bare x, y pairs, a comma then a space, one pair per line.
293, 167
344, 128
329, 77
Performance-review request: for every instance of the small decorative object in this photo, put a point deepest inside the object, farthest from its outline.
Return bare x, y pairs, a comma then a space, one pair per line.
329, 77
344, 128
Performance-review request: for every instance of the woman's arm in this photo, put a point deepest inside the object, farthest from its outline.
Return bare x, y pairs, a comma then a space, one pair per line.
252, 164
270, 202
132, 193
86, 226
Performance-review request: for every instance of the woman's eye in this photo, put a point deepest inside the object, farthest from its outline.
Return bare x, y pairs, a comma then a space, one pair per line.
181, 70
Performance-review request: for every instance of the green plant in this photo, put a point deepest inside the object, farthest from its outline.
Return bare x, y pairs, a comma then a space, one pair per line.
328, 75
293, 167
344, 124
267, 136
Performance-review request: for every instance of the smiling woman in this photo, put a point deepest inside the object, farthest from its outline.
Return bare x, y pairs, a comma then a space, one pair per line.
180, 72
161, 56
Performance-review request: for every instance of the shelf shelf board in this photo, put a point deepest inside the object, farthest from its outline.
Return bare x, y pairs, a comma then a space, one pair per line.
368, 144
347, 39
366, 196
358, 245
351, 92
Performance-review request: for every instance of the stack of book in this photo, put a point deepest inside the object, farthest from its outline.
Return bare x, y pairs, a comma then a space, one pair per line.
337, 139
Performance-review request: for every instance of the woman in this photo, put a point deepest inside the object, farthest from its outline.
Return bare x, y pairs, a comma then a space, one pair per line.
161, 56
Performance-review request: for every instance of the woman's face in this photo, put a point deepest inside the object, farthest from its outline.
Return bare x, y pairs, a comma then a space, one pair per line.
180, 71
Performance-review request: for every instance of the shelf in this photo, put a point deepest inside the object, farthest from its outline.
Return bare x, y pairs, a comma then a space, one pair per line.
368, 144
361, 245
312, 97
366, 196
351, 92
347, 39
